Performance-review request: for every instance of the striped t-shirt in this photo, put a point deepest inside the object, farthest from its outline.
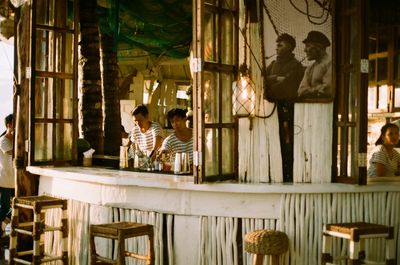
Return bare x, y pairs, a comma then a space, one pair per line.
392, 165
147, 140
173, 145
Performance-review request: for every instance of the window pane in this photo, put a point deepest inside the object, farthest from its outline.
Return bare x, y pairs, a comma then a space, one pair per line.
372, 70
211, 152
45, 12
210, 36
383, 97
397, 67
397, 95
58, 13
227, 80
382, 42
43, 142
382, 69
227, 149
63, 141
64, 89
64, 52
44, 98
211, 2
372, 97
352, 150
229, 4
227, 39
211, 97
372, 44
397, 38
44, 50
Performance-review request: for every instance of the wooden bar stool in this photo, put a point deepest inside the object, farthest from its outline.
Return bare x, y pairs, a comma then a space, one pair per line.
36, 229
266, 242
121, 231
356, 233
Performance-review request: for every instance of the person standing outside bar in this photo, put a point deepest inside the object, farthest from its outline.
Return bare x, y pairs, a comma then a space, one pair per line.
146, 135
317, 80
7, 183
282, 81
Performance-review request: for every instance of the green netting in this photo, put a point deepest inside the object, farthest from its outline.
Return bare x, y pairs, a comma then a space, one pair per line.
161, 27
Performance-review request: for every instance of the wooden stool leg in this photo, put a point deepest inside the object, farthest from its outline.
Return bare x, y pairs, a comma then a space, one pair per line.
13, 235
121, 250
258, 259
37, 232
390, 252
64, 233
150, 260
354, 255
274, 260
92, 250
326, 249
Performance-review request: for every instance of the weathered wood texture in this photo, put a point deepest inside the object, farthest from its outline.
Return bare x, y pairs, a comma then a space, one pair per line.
112, 113
312, 143
91, 103
26, 183
259, 149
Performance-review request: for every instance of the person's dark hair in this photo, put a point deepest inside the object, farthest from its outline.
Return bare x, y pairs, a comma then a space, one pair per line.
288, 39
140, 109
181, 113
384, 129
8, 119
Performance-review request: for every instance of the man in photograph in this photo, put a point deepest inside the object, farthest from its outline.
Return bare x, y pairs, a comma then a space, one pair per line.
282, 79
317, 80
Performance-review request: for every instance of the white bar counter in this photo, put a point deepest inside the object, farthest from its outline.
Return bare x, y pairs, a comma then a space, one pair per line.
200, 210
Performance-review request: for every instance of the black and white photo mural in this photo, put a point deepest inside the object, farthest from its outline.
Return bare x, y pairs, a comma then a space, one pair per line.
298, 47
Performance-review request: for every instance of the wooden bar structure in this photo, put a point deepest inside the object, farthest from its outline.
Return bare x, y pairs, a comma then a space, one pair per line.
79, 74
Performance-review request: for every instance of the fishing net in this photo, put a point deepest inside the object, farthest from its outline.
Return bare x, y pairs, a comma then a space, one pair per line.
160, 27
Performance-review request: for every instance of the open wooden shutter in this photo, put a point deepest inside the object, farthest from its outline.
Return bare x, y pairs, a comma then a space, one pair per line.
214, 67
53, 82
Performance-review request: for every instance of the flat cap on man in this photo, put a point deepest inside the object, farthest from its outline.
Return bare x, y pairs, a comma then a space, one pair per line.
317, 37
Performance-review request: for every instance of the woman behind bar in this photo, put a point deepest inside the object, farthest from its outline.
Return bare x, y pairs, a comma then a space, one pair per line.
181, 140
385, 161
146, 135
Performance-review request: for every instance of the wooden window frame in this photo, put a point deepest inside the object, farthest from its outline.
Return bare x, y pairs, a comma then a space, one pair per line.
350, 166
199, 7
61, 75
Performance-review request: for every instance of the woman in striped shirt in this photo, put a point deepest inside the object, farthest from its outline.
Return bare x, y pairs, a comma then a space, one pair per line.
385, 161
181, 140
146, 135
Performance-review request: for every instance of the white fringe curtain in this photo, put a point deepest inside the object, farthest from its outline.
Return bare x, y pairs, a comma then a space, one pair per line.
303, 215
78, 249
218, 244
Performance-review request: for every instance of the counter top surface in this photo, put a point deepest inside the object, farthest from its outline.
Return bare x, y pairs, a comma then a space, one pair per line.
186, 182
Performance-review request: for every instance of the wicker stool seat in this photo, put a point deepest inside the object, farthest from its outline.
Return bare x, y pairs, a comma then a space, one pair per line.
36, 228
356, 233
266, 242
121, 231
